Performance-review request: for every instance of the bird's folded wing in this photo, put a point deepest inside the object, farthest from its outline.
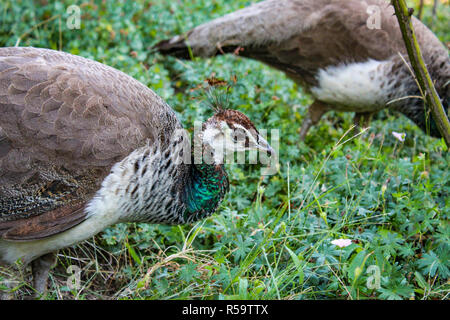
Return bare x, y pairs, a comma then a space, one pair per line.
44, 225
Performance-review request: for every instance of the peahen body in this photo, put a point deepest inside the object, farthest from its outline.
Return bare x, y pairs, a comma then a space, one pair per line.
84, 146
348, 54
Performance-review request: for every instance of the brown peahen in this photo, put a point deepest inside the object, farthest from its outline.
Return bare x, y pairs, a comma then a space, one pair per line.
84, 146
346, 53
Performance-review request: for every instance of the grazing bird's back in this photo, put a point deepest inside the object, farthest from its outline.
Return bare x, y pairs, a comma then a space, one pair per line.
330, 48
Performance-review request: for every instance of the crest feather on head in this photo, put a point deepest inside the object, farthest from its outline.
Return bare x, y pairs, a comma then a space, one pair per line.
217, 100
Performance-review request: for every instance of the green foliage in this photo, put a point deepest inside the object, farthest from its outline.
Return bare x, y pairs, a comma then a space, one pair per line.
271, 236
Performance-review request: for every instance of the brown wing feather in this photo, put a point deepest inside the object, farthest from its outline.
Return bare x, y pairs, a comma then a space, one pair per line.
44, 225
5, 144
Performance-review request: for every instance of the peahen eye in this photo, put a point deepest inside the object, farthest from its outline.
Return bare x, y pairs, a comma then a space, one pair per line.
239, 135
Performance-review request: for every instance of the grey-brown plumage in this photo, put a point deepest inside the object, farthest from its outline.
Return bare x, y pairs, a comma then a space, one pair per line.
84, 146
61, 108
333, 48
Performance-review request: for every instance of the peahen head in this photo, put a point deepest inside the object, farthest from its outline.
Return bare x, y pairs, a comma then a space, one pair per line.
231, 131
227, 131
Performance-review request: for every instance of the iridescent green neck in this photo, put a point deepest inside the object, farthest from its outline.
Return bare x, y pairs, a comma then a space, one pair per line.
204, 191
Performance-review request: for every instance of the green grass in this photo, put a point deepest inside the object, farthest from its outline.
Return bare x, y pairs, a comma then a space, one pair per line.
271, 237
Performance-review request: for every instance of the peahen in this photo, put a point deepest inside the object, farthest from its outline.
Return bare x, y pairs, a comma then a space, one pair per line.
348, 54
84, 146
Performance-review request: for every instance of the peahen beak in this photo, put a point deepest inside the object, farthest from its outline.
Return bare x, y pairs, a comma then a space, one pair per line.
264, 146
